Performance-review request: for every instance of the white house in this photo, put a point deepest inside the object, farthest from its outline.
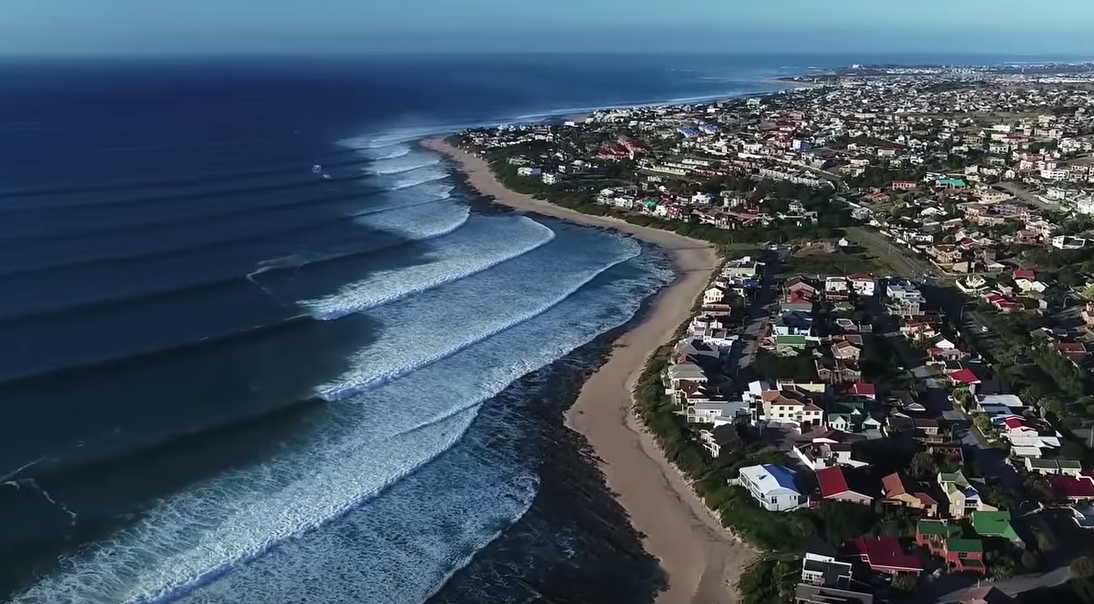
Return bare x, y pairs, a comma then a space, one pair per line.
689, 372
835, 284
716, 413
528, 171
862, 284
772, 487
713, 295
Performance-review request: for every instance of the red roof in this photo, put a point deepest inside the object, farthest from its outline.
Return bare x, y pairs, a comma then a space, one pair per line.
886, 553
1074, 488
831, 481
862, 389
860, 277
1014, 422
1024, 274
964, 376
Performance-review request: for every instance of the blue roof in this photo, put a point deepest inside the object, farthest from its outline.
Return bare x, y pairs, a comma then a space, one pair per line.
781, 476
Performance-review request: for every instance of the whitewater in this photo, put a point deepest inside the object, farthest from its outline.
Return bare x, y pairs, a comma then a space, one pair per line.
362, 445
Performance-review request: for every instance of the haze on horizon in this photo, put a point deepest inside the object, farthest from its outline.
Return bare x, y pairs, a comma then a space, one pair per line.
159, 27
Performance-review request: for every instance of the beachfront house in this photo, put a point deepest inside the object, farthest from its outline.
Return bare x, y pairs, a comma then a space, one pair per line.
772, 487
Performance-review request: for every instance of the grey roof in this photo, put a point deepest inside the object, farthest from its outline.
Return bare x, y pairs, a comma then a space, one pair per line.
815, 594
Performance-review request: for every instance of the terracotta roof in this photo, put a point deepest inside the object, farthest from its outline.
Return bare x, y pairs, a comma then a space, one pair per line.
831, 481
863, 389
1074, 488
885, 552
965, 376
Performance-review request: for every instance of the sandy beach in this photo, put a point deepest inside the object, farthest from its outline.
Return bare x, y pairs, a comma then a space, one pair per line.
701, 559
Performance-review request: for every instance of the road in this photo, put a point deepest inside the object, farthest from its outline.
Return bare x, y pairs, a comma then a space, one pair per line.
889, 252
1024, 194
744, 349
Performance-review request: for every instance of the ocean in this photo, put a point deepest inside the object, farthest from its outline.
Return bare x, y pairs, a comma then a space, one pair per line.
257, 346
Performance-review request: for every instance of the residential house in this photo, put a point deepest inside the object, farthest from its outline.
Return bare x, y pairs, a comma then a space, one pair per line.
684, 372
964, 378
885, 555
1047, 467
714, 295
741, 268
963, 498
994, 524
715, 412
772, 487
933, 534
845, 350
847, 416
838, 285
1075, 489
899, 489
903, 300
722, 438
985, 594
832, 483
863, 390
798, 295
819, 454
836, 371
964, 555
790, 344
862, 284
817, 594
797, 410
820, 567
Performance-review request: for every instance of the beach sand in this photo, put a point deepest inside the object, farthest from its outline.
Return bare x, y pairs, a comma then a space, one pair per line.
702, 560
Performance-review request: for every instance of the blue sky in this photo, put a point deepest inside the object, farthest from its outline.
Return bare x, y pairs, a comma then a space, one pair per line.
332, 26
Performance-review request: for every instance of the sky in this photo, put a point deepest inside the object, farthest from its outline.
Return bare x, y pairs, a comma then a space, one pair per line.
157, 27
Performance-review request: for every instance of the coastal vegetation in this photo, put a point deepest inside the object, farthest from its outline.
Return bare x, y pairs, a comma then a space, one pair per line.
579, 194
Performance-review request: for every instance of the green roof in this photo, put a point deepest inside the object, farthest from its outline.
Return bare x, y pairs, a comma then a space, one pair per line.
993, 524
957, 477
964, 545
791, 340
1070, 464
937, 528
846, 407
953, 182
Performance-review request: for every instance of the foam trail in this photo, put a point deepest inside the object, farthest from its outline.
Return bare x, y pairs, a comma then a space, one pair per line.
415, 529
495, 241
404, 163
351, 453
423, 221
417, 177
465, 313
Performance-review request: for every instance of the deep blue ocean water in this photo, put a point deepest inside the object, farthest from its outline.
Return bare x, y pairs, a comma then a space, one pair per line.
255, 345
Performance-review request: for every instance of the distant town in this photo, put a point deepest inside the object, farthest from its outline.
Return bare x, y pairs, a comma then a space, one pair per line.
887, 385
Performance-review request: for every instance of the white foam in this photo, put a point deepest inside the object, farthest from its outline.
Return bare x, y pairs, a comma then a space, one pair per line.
403, 163
419, 221
403, 546
438, 323
349, 454
416, 177
468, 251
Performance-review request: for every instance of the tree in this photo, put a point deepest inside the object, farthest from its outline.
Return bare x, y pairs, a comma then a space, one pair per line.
923, 466
963, 397
905, 582
1071, 450
1082, 578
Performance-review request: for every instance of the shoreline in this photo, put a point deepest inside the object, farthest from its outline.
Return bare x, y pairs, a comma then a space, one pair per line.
702, 559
